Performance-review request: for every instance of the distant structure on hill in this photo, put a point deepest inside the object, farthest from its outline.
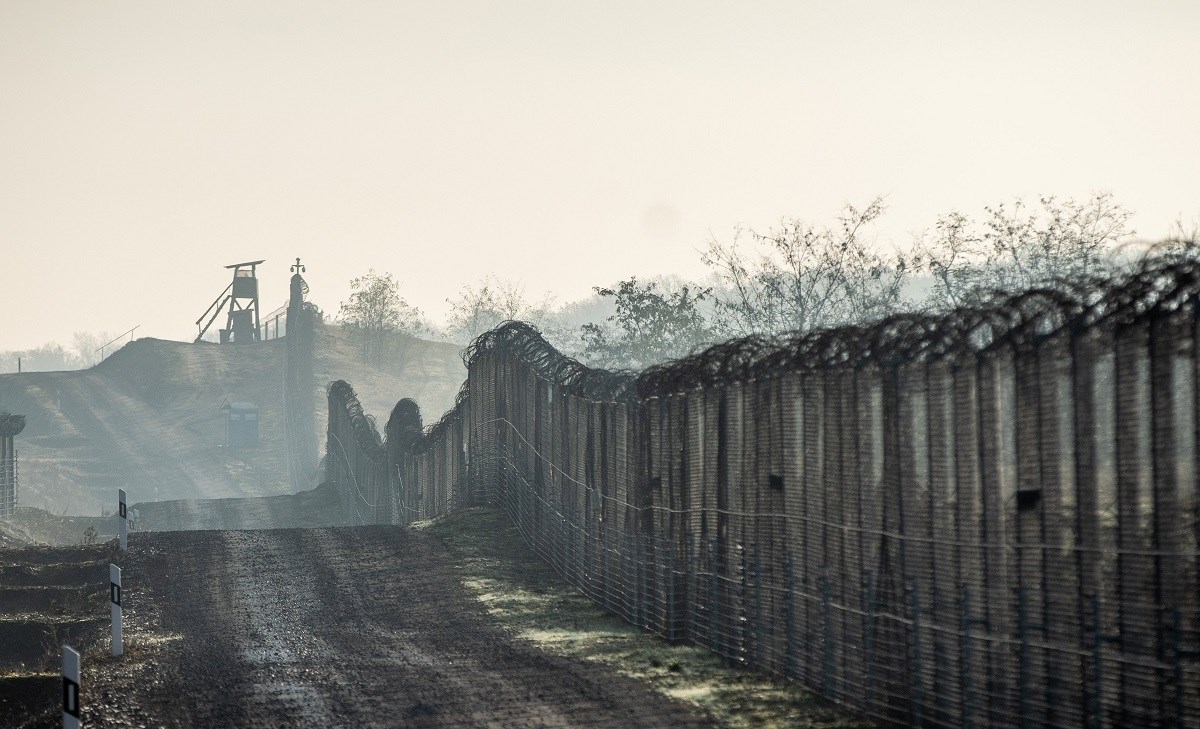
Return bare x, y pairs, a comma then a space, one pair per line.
10, 426
241, 295
242, 425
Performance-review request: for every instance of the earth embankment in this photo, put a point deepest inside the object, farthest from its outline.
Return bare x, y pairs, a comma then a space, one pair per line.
150, 419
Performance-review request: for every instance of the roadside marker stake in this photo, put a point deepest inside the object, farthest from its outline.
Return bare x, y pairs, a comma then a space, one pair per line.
114, 594
123, 519
70, 698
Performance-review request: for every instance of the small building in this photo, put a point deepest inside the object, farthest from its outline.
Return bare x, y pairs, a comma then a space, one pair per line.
242, 425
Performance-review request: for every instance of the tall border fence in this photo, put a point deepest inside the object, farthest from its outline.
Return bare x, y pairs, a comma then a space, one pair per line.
299, 384
984, 518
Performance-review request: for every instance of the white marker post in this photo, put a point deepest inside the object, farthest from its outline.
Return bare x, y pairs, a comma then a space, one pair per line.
114, 593
123, 525
70, 697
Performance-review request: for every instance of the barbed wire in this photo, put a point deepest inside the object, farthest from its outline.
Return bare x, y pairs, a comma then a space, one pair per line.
979, 517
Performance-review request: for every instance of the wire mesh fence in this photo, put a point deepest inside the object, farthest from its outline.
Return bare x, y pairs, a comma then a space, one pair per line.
10, 426
273, 324
986, 518
9, 485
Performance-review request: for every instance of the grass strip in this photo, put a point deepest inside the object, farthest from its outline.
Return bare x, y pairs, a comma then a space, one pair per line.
526, 596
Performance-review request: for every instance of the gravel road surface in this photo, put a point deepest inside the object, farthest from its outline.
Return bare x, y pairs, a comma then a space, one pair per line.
365, 626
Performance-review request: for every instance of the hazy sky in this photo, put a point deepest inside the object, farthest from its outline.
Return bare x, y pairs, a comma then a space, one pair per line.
143, 145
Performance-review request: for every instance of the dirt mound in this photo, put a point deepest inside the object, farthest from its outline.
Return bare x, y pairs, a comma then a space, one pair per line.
37, 526
149, 419
48, 596
429, 372
315, 508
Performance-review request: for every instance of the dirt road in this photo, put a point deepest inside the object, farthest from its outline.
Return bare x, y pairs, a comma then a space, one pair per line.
336, 627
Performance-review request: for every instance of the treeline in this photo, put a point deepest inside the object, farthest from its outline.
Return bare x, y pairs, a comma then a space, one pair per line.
794, 277
83, 353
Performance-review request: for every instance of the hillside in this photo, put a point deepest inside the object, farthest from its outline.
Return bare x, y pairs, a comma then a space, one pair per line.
428, 372
149, 418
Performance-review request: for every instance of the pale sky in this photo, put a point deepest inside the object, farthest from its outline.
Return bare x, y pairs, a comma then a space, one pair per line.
144, 145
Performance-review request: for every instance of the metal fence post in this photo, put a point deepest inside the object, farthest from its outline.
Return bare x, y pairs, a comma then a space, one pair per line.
1180, 653
965, 625
714, 608
789, 617
756, 653
628, 578
1097, 660
1177, 653
638, 591
827, 634
693, 595
1023, 659
650, 570
917, 717
671, 591
869, 639
605, 573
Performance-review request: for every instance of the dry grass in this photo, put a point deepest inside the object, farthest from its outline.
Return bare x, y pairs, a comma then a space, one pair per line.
527, 597
52, 596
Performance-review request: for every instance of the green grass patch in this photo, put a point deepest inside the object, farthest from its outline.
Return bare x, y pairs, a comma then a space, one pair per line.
527, 597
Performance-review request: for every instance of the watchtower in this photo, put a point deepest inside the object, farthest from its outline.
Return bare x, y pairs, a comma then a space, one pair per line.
242, 296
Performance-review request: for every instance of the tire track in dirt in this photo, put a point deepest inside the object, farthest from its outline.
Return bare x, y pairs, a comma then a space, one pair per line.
363, 626
139, 434
78, 398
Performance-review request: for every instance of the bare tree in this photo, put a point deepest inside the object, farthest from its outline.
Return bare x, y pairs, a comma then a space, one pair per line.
803, 276
49, 357
1183, 240
1019, 247
375, 310
87, 345
1185, 234
483, 306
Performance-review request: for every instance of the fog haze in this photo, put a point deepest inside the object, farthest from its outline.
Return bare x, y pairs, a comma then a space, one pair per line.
145, 145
